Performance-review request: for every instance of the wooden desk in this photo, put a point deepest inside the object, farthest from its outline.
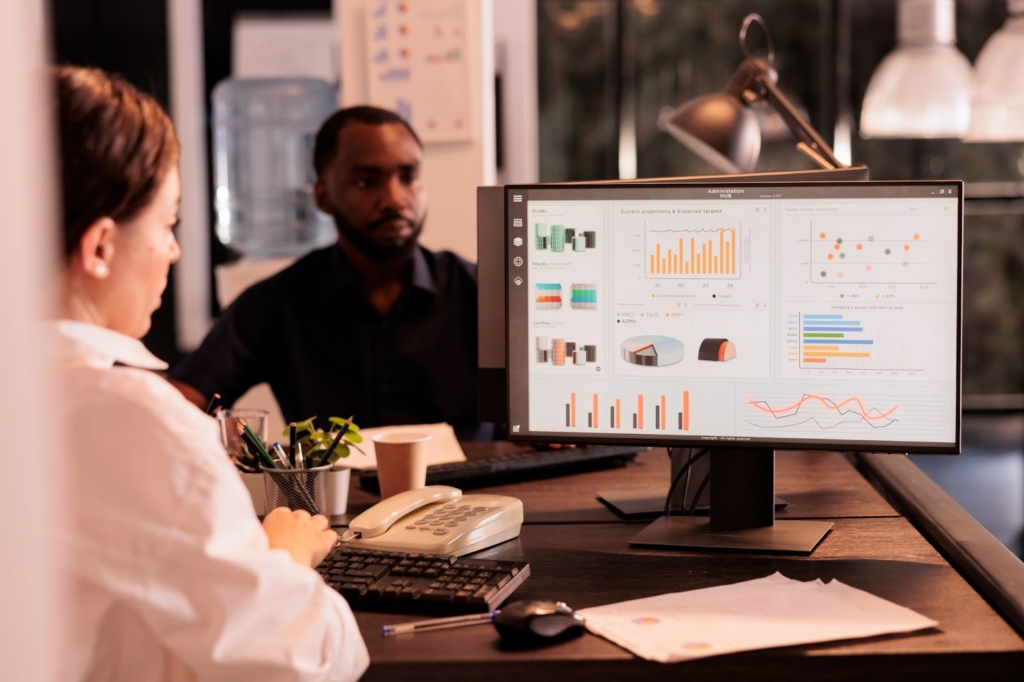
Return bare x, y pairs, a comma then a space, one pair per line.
578, 553
816, 486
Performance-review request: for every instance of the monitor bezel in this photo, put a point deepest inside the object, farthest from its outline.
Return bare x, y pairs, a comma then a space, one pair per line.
709, 441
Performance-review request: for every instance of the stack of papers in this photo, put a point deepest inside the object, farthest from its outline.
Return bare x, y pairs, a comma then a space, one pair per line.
442, 448
757, 614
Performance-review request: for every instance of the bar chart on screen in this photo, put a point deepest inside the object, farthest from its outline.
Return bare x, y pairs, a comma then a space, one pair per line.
705, 252
861, 340
639, 412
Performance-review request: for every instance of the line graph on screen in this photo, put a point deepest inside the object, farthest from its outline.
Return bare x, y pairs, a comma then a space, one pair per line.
812, 410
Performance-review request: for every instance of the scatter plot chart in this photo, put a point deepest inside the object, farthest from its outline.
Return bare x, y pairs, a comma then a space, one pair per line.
867, 254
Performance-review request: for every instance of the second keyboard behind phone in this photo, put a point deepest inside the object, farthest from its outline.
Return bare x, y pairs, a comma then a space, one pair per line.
517, 466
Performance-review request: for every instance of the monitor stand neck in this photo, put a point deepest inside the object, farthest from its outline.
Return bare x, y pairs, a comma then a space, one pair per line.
742, 513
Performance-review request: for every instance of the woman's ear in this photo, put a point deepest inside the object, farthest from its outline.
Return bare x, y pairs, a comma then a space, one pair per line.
96, 248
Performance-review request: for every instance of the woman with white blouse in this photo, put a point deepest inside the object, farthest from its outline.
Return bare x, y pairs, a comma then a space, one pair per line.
172, 576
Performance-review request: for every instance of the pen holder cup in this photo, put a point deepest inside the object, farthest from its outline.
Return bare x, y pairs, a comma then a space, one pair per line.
296, 488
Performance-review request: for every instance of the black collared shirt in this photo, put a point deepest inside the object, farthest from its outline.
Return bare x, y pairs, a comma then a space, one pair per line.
326, 351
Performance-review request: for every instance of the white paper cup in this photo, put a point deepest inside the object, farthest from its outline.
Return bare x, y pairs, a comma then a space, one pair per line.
401, 462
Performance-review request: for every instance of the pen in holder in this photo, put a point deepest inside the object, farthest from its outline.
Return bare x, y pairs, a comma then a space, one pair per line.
296, 488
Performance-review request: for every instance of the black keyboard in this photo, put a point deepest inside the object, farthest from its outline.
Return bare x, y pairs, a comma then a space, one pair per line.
437, 584
517, 466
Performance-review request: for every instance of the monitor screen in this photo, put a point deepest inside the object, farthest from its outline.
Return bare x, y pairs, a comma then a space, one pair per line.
769, 315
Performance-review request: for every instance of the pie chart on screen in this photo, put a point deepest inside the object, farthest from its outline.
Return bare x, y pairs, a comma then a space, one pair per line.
652, 350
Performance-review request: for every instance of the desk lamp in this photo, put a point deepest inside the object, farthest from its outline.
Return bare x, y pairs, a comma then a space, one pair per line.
722, 128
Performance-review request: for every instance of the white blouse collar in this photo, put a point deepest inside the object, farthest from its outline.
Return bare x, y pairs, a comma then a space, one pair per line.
103, 347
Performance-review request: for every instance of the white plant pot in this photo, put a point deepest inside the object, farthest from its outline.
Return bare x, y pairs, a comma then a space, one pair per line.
337, 491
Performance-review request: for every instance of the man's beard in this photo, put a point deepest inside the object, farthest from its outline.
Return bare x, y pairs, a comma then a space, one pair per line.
381, 253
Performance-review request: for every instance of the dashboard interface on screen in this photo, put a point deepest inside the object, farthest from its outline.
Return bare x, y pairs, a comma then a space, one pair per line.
768, 315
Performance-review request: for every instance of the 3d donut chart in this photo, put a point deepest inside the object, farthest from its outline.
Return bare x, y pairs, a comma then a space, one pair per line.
652, 350
716, 350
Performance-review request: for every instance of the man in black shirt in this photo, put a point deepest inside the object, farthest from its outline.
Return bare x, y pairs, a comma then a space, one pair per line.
375, 326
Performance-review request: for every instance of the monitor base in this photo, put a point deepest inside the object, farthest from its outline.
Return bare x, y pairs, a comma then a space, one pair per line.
783, 537
650, 503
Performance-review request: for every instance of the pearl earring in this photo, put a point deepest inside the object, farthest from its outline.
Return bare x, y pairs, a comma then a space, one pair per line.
101, 269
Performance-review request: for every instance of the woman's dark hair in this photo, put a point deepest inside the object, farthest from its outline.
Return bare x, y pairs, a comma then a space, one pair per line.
116, 146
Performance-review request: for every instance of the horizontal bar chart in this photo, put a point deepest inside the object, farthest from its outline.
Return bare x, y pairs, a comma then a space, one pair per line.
825, 339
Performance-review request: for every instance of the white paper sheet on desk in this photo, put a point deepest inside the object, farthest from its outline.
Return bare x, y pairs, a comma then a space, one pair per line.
443, 446
757, 614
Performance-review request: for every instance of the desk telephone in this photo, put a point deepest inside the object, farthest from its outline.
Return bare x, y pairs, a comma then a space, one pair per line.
437, 519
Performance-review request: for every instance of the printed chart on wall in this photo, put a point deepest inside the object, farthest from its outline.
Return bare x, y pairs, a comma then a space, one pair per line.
417, 60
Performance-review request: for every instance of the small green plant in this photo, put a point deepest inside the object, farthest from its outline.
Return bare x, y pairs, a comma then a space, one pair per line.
315, 441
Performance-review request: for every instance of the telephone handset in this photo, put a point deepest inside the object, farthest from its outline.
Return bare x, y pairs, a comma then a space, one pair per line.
437, 519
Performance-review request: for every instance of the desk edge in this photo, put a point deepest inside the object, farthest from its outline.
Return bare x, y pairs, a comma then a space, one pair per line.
987, 565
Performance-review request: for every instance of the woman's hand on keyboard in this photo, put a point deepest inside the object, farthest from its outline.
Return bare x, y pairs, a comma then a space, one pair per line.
308, 539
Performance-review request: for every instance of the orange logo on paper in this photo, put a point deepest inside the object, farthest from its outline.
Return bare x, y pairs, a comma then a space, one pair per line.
646, 621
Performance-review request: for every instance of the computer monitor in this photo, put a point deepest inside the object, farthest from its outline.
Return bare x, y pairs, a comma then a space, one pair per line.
740, 317
490, 232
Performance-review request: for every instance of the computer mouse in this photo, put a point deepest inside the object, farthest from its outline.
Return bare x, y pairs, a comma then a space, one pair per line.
533, 622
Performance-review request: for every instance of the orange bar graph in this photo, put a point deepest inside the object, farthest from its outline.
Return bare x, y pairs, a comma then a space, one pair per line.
572, 410
714, 257
618, 413
686, 410
814, 359
595, 410
811, 354
640, 412
664, 414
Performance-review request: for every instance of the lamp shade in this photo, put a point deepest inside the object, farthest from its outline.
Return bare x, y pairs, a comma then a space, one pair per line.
719, 129
997, 111
923, 88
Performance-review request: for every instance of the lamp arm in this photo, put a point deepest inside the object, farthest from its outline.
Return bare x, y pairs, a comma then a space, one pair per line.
803, 131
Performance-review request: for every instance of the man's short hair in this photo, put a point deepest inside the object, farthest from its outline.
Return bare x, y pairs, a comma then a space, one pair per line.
327, 137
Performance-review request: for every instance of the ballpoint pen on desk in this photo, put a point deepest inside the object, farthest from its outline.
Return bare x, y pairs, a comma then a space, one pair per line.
214, 404
439, 623
324, 458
